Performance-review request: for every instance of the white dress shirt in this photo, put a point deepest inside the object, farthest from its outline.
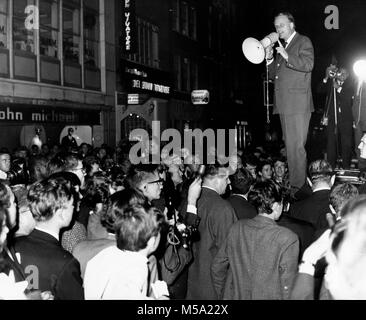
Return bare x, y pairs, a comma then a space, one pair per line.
116, 274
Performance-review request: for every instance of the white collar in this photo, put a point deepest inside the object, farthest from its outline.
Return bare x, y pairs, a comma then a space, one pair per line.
49, 232
210, 188
240, 195
321, 188
290, 39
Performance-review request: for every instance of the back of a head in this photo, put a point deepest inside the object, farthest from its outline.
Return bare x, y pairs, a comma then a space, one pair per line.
118, 202
71, 161
342, 193
47, 196
320, 171
38, 168
97, 190
241, 181
135, 226
263, 194
346, 277
213, 170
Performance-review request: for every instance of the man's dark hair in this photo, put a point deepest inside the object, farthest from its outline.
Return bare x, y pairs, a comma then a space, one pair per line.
135, 226
264, 194
241, 181
288, 15
119, 201
137, 175
263, 163
213, 170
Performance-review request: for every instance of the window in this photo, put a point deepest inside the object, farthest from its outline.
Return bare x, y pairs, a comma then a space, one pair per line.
177, 72
193, 82
184, 18
186, 74
192, 23
175, 13
23, 38
91, 34
148, 44
3, 23
71, 31
49, 28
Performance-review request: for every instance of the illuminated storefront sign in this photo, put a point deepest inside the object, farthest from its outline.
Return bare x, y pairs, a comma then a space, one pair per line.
145, 85
128, 38
41, 114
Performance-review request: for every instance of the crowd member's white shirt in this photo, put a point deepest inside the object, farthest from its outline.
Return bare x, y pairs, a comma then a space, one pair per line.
11, 290
116, 274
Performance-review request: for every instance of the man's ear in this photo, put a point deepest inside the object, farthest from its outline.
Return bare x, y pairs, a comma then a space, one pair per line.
332, 179
309, 181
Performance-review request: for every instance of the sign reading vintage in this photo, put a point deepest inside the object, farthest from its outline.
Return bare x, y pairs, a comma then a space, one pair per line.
128, 39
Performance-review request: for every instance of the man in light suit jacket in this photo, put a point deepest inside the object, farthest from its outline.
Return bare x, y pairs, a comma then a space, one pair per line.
258, 259
291, 70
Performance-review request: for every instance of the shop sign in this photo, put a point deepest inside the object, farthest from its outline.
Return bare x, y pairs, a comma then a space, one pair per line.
200, 97
128, 38
16, 113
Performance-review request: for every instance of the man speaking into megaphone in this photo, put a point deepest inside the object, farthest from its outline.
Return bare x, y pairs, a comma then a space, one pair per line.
291, 68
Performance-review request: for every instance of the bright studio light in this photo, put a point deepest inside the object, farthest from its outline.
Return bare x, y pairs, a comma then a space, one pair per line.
359, 69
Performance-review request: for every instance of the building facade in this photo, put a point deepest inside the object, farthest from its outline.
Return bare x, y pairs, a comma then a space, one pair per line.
57, 69
168, 48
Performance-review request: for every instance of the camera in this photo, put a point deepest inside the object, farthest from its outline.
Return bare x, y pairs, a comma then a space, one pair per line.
18, 173
185, 234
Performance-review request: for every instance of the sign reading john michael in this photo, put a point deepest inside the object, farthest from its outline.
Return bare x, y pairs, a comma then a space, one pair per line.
45, 114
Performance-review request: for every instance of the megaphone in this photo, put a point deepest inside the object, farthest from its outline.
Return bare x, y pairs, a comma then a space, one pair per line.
254, 50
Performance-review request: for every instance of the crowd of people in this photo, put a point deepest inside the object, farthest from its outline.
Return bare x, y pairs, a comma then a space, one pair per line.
82, 223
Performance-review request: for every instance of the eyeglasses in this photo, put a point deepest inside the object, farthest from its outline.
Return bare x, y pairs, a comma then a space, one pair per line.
160, 181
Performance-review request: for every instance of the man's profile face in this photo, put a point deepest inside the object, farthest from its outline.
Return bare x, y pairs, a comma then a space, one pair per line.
5, 162
152, 187
283, 27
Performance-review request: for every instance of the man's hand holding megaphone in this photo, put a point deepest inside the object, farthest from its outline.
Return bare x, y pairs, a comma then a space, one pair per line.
282, 51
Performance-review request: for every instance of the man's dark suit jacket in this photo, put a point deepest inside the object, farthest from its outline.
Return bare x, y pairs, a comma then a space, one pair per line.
243, 209
313, 209
303, 229
58, 270
217, 216
293, 78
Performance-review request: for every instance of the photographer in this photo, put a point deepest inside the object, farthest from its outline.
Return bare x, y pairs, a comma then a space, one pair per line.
174, 254
338, 115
